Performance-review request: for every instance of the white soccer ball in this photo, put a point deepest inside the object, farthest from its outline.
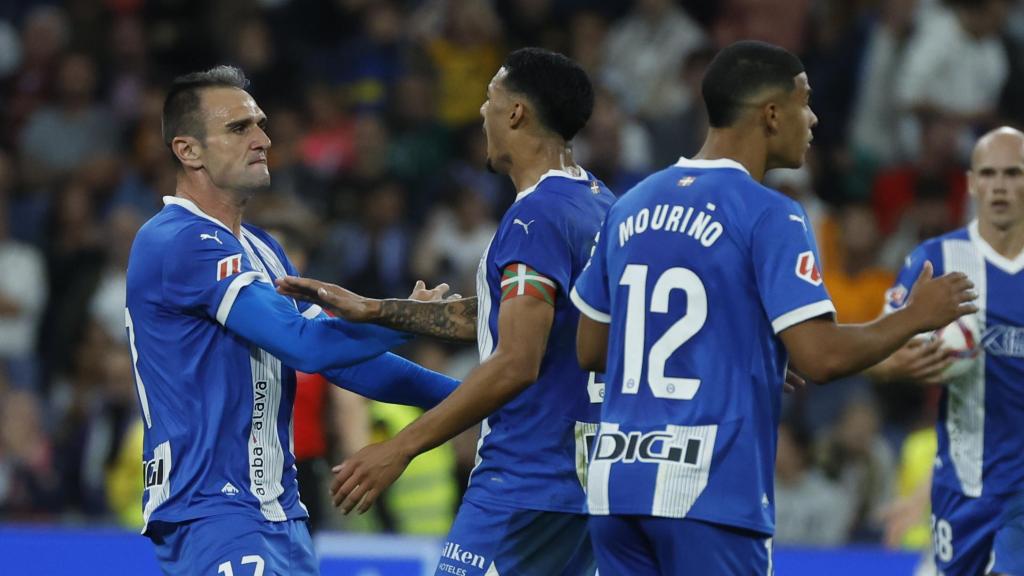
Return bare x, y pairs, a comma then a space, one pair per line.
963, 341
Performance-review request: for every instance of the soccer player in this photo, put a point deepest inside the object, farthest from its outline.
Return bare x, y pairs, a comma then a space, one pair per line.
523, 512
215, 349
978, 480
703, 285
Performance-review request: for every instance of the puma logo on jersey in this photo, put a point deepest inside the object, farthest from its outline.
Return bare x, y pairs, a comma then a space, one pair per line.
211, 237
525, 225
799, 219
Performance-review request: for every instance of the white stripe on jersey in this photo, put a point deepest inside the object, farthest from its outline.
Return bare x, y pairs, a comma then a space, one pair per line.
266, 457
240, 281
965, 406
484, 341
598, 475
268, 256
679, 484
139, 386
160, 491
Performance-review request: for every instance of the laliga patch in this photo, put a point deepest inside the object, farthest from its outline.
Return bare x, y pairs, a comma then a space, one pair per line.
229, 266
807, 269
896, 296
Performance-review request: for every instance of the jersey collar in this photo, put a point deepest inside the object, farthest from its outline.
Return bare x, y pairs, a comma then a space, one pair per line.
552, 174
716, 163
191, 207
998, 260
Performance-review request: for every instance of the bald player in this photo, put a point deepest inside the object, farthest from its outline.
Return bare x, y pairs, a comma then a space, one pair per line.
978, 479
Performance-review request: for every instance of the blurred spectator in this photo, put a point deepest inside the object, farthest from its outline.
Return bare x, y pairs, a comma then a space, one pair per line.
681, 133
255, 52
370, 62
421, 147
128, 68
643, 54
44, 34
370, 255
613, 146
454, 238
927, 217
29, 483
466, 51
809, 510
935, 173
22, 297
327, 146
589, 30
854, 279
106, 306
876, 110
855, 456
955, 67
781, 22
74, 259
58, 139
371, 163
292, 177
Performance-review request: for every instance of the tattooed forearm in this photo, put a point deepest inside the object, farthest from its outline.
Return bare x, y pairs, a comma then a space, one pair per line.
449, 320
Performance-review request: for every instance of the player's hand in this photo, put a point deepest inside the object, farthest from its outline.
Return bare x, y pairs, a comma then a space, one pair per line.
335, 299
935, 302
920, 360
435, 294
793, 382
361, 479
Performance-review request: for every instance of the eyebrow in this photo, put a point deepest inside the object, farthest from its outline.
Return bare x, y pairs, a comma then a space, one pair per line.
241, 122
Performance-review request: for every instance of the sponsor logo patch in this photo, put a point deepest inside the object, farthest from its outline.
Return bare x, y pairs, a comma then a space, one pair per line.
229, 266
807, 268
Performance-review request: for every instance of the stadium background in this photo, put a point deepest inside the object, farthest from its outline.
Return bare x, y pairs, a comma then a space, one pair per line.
378, 180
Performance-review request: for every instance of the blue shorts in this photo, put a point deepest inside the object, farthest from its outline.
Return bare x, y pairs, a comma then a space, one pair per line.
492, 539
975, 536
652, 546
234, 545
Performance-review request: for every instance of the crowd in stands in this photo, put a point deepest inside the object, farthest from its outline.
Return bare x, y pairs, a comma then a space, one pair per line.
379, 179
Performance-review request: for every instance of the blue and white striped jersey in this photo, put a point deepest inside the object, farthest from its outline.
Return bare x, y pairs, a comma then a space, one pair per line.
698, 269
533, 451
981, 448
217, 410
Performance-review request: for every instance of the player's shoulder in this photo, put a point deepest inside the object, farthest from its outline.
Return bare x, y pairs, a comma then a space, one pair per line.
558, 198
935, 243
177, 231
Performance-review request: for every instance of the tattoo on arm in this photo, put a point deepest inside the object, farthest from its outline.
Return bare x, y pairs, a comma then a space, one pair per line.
449, 320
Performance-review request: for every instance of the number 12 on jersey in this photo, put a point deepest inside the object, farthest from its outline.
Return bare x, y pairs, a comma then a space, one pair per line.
634, 277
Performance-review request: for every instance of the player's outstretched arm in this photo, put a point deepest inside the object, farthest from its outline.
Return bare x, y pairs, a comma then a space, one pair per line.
523, 327
395, 380
262, 317
823, 350
425, 313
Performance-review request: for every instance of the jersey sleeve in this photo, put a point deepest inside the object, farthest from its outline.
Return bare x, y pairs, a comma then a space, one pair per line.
786, 267
204, 272
537, 236
591, 294
896, 297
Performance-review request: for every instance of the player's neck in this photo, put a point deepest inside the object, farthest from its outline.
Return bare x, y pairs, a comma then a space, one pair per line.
738, 146
223, 205
1007, 242
543, 156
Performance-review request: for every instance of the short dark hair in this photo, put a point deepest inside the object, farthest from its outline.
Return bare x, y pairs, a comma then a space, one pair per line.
557, 87
182, 106
740, 71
